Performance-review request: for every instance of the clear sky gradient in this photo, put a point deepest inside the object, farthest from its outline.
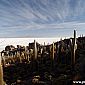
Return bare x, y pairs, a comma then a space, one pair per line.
41, 18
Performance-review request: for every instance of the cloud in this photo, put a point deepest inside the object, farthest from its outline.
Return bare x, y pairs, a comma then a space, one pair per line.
44, 11
42, 30
31, 16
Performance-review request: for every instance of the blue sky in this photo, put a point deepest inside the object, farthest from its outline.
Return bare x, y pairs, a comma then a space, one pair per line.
41, 18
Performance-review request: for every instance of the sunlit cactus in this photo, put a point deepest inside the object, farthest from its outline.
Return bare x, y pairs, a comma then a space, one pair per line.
35, 50
53, 50
1, 72
74, 46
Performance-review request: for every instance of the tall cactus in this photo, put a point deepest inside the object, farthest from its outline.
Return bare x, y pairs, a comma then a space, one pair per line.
1, 72
35, 50
44, 43
53, 51
74, 46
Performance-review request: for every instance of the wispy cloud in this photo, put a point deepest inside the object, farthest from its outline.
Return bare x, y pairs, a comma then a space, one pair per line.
36, 16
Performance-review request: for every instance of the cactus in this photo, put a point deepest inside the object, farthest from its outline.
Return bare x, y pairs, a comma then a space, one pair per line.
35, 50
1, 72
74, 46
53, 50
